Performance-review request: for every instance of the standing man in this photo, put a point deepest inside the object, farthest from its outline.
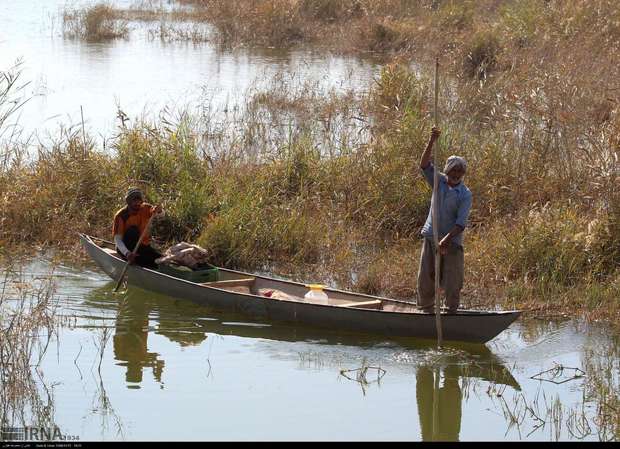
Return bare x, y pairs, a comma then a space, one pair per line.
454, 206
129, 224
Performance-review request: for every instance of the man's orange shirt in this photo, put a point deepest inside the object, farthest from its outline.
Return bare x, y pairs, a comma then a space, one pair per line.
124, 219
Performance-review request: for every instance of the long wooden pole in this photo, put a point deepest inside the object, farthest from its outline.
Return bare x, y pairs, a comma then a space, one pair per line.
120, 278
83, 132
435, 215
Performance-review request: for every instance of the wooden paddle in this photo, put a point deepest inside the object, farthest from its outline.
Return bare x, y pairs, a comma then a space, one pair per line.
120, 279
435, 216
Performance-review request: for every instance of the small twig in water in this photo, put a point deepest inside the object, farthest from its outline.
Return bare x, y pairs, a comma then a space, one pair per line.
556, 372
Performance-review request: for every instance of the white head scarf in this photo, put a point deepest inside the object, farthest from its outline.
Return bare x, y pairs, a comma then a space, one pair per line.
455, 161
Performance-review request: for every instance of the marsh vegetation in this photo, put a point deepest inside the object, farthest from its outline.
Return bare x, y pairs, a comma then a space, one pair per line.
322, 184
94, 23
28, 324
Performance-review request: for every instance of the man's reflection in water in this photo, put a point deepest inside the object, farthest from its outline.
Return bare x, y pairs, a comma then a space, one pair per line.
132, 331
439, 408
130, 341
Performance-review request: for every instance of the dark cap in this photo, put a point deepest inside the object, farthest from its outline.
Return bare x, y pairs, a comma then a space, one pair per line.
132, 194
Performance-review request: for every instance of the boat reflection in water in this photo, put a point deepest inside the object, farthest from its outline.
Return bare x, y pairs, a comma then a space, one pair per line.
441, 383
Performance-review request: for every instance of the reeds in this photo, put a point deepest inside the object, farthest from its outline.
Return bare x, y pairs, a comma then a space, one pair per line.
602, 389
99, 22
594, 415
28, 322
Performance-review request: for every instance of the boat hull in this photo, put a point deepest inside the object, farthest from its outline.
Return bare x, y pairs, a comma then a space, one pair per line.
470, 326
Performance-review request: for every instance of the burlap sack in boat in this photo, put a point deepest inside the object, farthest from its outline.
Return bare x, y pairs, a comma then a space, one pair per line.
185, 254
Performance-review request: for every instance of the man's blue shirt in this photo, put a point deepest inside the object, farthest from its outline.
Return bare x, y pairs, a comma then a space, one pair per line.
454, 206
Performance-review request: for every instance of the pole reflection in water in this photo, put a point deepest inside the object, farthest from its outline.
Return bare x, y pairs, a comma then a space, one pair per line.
442, 384
439, 403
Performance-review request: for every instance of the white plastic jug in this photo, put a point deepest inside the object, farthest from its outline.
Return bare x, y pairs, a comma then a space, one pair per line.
316, 295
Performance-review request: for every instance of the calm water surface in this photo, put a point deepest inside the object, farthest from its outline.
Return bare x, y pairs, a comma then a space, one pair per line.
140, 366
140, 75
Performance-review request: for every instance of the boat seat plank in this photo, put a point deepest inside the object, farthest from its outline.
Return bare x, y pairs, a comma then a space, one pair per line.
374, 302
233, 285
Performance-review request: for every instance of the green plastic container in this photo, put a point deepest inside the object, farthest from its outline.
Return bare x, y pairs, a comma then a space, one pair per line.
205, 274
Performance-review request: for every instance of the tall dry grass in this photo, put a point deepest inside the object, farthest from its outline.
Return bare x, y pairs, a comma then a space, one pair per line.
95, 23
325, 185
276, 187
163, 21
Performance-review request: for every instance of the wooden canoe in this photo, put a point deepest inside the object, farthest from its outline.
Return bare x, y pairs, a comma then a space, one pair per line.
348, 312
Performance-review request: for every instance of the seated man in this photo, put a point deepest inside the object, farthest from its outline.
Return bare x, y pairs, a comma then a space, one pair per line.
129, 224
